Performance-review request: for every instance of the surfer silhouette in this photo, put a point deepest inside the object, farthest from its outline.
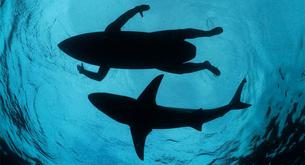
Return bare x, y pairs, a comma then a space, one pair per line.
164, 50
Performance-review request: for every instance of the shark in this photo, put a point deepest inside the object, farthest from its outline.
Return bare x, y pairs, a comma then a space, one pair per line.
143, 114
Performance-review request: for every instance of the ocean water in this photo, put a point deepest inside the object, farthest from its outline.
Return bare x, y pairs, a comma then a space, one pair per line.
46, 117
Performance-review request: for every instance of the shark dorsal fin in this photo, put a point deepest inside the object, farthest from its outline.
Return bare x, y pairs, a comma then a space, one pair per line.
148, 96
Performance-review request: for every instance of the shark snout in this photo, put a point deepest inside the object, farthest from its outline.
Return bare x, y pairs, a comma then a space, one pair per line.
107, 103
100, 100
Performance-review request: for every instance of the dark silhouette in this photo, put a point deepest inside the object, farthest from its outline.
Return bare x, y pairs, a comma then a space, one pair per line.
143, 114
10, 157
278, 145
163, 50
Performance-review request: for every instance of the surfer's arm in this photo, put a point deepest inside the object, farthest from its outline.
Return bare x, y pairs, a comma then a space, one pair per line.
121, 21
100, 75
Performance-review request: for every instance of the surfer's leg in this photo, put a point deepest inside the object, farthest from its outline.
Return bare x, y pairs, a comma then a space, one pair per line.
194, 33
189, 33
207, 65
190, 67
100, 75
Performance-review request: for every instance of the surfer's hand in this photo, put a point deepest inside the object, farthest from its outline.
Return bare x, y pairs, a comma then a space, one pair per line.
142, 8
81, 68
217, 30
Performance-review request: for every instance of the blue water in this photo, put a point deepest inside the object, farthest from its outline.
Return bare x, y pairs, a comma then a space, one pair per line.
46, 118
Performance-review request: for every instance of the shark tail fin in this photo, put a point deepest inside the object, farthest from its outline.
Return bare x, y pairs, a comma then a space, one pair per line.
235, 102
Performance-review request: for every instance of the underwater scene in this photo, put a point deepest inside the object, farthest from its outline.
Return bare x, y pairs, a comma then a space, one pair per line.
151, 82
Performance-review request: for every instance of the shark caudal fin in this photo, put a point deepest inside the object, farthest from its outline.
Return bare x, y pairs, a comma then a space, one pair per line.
235, 102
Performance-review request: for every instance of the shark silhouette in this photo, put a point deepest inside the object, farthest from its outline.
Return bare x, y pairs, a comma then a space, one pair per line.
164, 50
143, 114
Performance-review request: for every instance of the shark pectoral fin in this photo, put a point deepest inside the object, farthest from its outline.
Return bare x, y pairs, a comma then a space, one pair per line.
139, 137
148, 96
